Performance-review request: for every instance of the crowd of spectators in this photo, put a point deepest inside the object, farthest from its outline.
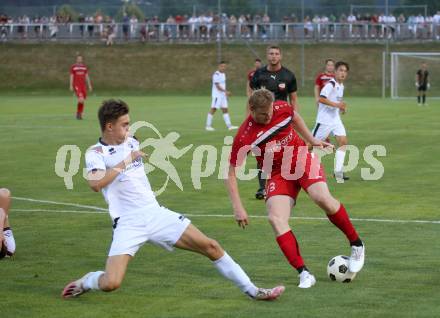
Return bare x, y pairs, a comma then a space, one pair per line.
209, 25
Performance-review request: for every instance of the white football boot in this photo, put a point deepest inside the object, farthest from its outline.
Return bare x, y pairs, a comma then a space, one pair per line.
75, 288
209, 128
232, 127
357, 258
269, 294
306, 280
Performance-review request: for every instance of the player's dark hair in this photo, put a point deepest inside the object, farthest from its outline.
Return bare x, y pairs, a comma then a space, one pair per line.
342, 63
260, 98
275, 47
110, 111
257, 60
222, 62
329, 60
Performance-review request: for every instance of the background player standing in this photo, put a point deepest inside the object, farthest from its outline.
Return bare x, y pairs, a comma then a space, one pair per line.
7, 241
328, 120
219, 98
324, 77
250, 74
282, 83
422, 83
79, 75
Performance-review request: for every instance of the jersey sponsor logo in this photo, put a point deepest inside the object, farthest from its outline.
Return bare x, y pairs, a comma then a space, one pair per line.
282, 86
112, 151
273, 77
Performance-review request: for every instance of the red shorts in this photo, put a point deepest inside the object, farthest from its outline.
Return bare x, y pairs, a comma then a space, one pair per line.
313, 173
80, 92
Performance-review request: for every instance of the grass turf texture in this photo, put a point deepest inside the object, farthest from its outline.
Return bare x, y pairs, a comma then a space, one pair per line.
400, 278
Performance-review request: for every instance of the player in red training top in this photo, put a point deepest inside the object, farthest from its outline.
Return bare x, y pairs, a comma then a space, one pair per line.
323, 78
250, 74
269, 133
79, 75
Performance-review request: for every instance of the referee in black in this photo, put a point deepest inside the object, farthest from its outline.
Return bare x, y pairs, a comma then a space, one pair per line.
282, 83
422, 84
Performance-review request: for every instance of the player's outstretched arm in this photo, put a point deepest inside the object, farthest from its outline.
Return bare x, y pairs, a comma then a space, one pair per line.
317, 93
240, 213
99, 179
71, 82
300, 126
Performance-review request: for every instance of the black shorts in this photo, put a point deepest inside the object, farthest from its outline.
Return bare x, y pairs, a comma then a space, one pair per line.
422, 88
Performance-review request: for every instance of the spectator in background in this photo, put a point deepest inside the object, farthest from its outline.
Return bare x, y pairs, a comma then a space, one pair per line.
351, 19
81, 21
170, 27
90, 25
265, 26
193, 25
436, 25
308, 27
133, 26
125, 26
232, 26
53, 28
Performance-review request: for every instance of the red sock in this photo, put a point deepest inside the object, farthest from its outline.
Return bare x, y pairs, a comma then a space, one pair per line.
342, 222
290, 248
80, 108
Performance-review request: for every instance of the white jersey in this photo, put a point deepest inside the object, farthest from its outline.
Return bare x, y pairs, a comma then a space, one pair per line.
130, 191
334, 92
218, 78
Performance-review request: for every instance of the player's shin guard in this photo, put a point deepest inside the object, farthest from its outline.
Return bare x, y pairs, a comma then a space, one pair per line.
341, 220
232, 271
209, 120
289, 247
92, 280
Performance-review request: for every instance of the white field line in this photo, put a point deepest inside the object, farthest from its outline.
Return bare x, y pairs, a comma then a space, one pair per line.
61, 203
252, 216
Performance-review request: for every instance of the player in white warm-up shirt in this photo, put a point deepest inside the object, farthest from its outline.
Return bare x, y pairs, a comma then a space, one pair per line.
115, 167
219, 98
328, 120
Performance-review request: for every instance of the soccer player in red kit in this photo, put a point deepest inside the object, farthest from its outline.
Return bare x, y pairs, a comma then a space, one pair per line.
78, 77
324, 77
269, 133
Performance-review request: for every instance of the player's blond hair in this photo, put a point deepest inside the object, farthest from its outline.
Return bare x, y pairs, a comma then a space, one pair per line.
260, 98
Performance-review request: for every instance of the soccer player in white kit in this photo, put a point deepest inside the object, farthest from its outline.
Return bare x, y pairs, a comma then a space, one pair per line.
115, 167
328, 120
219, 98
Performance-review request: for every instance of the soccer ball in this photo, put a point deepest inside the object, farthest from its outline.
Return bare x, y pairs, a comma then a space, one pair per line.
337, 269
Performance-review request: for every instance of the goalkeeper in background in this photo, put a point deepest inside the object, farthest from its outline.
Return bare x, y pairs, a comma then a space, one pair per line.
422, 84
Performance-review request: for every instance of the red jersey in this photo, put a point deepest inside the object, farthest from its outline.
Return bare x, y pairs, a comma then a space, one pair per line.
79, 72
272, 137
250, 75
322, 79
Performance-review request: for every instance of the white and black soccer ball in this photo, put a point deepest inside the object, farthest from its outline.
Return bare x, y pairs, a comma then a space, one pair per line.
337, 269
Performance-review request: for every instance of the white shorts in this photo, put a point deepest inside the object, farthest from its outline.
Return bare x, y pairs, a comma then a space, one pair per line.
322, 131
219, 102
159, 226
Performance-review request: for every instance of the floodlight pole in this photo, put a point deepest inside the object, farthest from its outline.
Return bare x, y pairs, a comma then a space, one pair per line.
219, 34
302, 47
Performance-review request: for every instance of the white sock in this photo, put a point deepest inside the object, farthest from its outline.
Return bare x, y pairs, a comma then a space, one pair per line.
209, 120
232, 271
92, 280
9, 241
339, 160
227, 120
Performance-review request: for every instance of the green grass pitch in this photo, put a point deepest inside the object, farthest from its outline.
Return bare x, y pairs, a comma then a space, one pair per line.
400, 279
